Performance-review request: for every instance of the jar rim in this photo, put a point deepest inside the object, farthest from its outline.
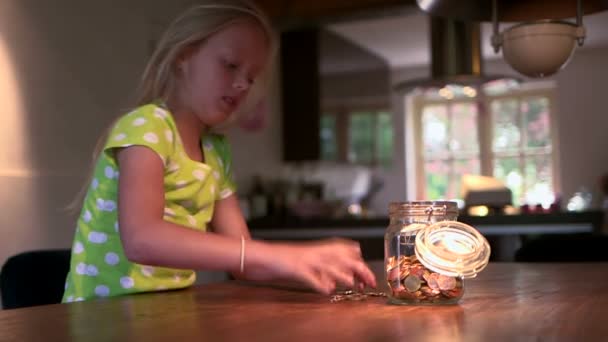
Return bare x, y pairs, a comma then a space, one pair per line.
452, 248
434, 208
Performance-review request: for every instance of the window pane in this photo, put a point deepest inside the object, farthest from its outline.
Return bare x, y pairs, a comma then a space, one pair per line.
435, 130
539, 187
361, 137
384, 138
461, 167
329, 144
436, 174
507, 134
508, 170
536, 119
464, 128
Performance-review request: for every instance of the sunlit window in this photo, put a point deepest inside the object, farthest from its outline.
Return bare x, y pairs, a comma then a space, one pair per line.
502, 130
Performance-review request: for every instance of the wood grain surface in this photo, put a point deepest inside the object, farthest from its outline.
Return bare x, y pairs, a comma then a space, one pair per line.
506, 302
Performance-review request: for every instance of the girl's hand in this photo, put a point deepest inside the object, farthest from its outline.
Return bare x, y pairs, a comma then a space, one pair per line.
321, 265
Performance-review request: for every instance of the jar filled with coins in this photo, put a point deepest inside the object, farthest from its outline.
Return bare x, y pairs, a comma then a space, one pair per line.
428, 254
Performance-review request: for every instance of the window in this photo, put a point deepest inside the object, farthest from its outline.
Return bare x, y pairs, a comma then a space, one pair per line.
504, 132
357, 136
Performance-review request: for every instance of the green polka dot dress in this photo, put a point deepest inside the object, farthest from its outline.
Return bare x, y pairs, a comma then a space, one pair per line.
98, 265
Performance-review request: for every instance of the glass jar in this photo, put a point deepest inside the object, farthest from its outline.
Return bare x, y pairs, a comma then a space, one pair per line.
427, 254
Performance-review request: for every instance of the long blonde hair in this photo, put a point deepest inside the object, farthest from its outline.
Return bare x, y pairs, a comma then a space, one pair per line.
188, 30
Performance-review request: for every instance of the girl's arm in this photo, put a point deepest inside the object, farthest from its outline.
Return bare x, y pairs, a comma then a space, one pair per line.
148, 239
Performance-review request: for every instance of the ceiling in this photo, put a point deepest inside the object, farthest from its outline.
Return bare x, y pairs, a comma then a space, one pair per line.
403, 40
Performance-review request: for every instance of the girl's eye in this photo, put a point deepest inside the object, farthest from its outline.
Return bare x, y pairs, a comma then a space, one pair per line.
230, 65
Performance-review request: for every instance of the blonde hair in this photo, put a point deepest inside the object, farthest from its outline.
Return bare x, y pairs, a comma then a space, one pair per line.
187, 31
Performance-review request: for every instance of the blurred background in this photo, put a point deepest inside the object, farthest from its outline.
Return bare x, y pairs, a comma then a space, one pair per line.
359, 115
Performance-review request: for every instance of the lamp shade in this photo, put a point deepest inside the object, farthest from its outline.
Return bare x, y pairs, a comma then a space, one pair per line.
540, 49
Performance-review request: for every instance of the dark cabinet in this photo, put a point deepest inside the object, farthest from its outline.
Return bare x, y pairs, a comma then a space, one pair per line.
300, 87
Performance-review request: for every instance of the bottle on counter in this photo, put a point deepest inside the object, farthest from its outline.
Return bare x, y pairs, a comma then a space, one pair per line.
257, 197
427, 254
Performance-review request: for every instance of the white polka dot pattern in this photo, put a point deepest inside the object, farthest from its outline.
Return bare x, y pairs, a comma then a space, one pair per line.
225, 193
78, 247
147, 271
191, 189
199, 174
81, 268
106, 205
169, 212
173, 166
192, 220
92, 271
98, 237
139, 122
87, 216
112, 258
127, 282
151, 138
102, 290
110, 173
160, 113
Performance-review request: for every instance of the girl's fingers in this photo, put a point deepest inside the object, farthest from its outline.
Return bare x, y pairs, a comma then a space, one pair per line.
340, 274
316, 280
360, 271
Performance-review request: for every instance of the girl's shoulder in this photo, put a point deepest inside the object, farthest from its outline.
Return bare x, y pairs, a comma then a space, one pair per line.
152, 113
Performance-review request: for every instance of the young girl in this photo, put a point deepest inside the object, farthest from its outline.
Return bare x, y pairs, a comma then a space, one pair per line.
162, 200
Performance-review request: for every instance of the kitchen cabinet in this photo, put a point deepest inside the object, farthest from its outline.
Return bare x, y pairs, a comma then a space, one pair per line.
300, 84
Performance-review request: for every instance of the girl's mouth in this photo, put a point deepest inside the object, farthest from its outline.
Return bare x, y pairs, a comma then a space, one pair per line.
230, 101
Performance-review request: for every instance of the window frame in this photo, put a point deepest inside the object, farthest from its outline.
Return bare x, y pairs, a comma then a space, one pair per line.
343, 114
415, 103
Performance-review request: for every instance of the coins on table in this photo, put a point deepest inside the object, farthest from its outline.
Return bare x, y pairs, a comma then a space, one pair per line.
408, 279
354, 296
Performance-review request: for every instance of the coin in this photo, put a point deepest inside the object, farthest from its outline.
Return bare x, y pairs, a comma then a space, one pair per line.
417, 270
446, 282
393, 274
350, 295
411, 283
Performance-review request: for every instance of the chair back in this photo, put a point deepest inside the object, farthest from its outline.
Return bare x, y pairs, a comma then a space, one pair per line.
34, 278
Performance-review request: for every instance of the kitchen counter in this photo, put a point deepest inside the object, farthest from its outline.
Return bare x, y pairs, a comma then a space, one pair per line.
550, 223
503, 231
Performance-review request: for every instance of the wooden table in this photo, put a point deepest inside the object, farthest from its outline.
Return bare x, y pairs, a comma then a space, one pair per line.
507, 302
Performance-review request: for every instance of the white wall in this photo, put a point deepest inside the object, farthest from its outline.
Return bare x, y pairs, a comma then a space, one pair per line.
66, 69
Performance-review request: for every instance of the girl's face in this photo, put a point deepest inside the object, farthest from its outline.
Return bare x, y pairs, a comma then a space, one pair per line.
217, 76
